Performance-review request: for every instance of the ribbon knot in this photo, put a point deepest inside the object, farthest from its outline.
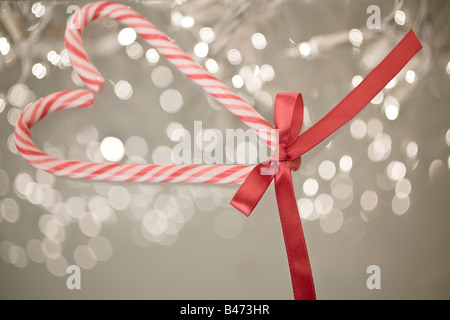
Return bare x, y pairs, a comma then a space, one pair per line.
282, 155
293, 162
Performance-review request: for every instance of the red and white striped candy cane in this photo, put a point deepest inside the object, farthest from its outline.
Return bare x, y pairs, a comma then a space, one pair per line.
165, 46
109, 171
225, 174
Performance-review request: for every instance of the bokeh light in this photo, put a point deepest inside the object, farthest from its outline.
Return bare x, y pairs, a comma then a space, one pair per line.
447, 137
171, 100
267, 73
207, 34
152, 56
234, 56
310, 187
323, 203
391, 112
400, 17
162, 76
5, 47
123, 90
237, 81
369, 200
378, 98
84, 257
39, 70
119, 197
259, 41
305, 208
212, 66
38, 9
380, 148
10, 210
327, 170
396, 170
411, 149
89, 225
4, 182
403, 188
18, 95
356, 80
187, 22
346, 163
358, 129
136, 147
18, 256
162, 155
332, 221
342, 190
56, 264
134, 51
410, 76
201, 49
112, 149
391, 84
34, 251
2, 104
400, 205
305, 49
355, 36
126, 36
374, 128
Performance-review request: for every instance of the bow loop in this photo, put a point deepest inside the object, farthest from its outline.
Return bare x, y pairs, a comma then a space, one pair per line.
288, 118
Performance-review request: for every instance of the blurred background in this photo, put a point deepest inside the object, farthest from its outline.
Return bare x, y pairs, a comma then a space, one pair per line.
374, 193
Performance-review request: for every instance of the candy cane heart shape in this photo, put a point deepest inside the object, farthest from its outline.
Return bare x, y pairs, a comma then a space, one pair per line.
224, 174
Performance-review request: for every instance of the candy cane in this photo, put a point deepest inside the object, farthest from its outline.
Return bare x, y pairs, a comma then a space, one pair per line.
225, 174
167, 47
106, 171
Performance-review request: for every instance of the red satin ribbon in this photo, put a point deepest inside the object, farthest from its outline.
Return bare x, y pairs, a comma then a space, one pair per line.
288, 120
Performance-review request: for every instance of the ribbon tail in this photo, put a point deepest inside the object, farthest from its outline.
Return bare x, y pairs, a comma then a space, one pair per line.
297, 253
359, 97
251, 191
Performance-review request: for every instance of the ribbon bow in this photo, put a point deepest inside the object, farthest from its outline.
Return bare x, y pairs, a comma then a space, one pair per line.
288, 121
